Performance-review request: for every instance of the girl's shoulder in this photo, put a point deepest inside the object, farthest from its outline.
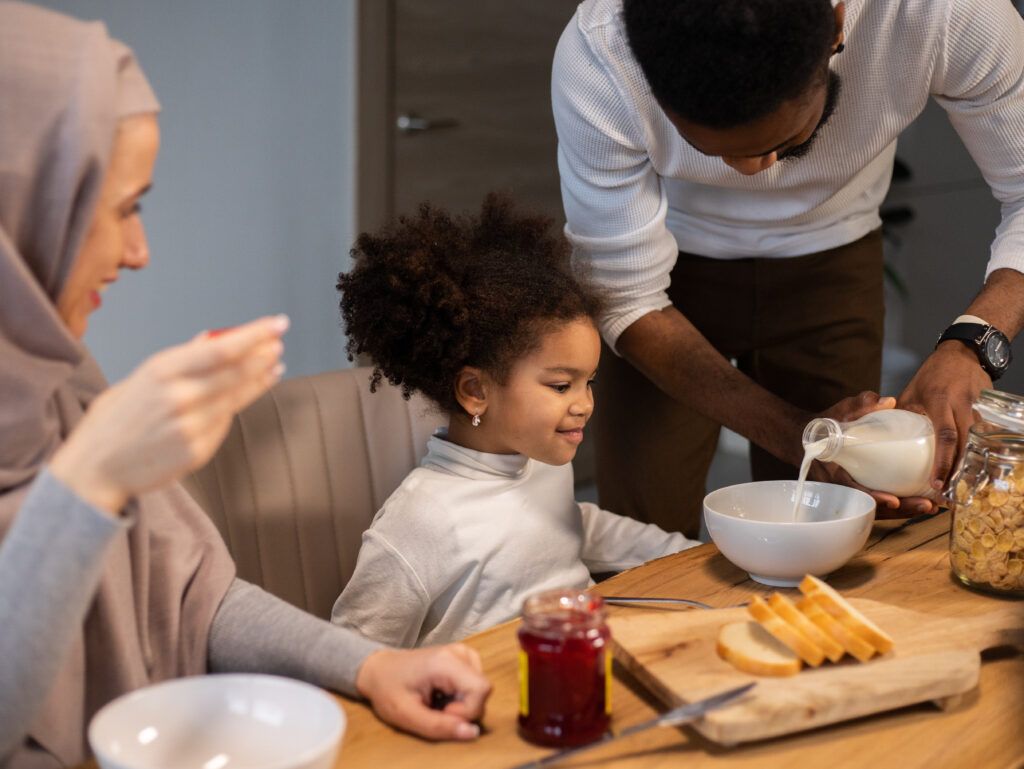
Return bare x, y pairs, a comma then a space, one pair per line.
421, 500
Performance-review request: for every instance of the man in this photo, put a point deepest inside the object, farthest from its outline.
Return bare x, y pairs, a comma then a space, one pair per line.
722, 165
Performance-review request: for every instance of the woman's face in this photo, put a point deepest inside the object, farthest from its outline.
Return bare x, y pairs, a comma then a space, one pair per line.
115, 239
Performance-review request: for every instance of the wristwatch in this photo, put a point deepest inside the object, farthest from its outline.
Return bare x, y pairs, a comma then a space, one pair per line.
988, 342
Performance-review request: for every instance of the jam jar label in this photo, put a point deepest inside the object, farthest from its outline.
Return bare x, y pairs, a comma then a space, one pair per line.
607, 682
524, 684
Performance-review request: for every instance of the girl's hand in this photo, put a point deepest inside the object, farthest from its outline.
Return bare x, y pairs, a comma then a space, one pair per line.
401, 686
169, 415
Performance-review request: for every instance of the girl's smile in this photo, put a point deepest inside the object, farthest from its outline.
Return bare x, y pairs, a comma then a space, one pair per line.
541, 409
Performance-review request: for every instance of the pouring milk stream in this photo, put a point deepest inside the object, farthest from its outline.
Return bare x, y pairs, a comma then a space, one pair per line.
890, 450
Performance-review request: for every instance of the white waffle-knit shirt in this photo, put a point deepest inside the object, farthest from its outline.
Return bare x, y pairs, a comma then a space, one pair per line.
468, 536
635, 193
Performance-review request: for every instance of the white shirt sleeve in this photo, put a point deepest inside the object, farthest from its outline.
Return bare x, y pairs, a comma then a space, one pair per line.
384, 600
614, 542
615, 204
979, 81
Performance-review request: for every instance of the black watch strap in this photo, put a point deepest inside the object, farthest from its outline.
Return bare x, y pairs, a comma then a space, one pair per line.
980, 337
965, 332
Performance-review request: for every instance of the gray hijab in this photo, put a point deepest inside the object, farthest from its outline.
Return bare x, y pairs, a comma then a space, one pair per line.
64, 84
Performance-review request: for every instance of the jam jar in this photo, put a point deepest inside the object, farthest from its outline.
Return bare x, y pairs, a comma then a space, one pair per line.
986, 494
564, 668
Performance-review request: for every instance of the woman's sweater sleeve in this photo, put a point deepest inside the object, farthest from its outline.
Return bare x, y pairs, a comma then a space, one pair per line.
50, 565
254, 631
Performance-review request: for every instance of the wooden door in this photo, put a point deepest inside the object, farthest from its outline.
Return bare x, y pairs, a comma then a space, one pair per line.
455, 101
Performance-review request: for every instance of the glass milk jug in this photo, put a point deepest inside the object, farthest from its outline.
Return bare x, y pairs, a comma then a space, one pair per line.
986, 493
890, 450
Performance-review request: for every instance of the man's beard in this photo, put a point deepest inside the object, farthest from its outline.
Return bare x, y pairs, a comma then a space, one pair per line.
831, 98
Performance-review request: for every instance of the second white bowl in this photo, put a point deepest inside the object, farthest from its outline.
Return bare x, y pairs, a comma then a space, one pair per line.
752, 524
219, 722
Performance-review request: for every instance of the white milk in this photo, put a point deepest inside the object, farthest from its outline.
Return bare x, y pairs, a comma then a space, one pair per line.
891, 450
811, 452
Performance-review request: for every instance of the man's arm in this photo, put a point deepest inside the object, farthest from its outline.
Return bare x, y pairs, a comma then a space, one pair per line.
673, 354
951, 378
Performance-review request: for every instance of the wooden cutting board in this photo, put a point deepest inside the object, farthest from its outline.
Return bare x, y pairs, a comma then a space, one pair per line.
672, 651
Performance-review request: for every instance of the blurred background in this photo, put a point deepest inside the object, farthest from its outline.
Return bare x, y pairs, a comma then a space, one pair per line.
288, 127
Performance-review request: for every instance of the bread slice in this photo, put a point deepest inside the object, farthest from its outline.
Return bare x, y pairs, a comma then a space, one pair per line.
850, 641
790, 635
827, 597
788, 611
752, 649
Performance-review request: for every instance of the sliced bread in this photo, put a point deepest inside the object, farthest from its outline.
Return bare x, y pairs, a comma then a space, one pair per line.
789, 634
830, 600
850, 641
788, 611
752, 649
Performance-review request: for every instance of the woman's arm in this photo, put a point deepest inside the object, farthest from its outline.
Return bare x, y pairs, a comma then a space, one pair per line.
254, 631
50, 564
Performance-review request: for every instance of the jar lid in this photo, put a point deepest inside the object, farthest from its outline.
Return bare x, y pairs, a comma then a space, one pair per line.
1001, 409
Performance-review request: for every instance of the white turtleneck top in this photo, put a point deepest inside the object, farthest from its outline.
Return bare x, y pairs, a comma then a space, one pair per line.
468, 536
635, 193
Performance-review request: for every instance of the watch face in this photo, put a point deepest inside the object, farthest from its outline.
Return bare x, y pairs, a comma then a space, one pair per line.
997, 350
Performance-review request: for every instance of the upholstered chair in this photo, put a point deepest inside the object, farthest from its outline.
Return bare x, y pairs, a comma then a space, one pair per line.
301, 474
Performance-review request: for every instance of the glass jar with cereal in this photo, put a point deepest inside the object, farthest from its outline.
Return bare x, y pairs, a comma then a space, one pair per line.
986, 543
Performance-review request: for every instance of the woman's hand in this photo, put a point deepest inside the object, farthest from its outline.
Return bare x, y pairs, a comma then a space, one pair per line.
400, 684
169, 415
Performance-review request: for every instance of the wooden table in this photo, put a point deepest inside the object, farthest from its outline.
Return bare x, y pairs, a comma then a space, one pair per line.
903, 564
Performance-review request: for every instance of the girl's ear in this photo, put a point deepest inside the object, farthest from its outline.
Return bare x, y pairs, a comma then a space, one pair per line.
471, 390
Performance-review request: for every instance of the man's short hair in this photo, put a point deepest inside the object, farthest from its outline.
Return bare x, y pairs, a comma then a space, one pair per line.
726, 63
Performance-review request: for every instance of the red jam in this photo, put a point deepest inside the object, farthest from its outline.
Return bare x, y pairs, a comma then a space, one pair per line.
564, 668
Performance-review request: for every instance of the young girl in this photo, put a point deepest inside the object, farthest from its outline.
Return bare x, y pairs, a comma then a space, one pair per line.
482, 316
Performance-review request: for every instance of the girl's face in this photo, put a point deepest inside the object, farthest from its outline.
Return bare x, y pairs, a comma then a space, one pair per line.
115, 239
542, 408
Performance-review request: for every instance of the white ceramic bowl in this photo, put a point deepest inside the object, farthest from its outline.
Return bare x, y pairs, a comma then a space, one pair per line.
219, 722
753, 526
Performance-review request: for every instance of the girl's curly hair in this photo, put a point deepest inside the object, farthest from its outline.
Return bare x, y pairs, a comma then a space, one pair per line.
435, 293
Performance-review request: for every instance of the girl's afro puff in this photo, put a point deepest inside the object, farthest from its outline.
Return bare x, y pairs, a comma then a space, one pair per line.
435, 293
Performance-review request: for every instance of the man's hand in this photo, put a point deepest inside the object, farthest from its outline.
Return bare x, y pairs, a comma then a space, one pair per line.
401, 686
945, 388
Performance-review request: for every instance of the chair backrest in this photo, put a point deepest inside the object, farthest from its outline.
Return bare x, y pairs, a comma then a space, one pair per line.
301, 474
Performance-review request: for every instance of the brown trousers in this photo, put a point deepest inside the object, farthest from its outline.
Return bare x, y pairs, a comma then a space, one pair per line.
807, 328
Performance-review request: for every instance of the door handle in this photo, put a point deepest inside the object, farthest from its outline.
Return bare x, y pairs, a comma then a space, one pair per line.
411, 123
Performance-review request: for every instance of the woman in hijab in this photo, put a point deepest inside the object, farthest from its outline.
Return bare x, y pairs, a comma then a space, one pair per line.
111, 578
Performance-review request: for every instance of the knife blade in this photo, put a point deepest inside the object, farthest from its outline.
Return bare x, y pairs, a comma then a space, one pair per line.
675, 717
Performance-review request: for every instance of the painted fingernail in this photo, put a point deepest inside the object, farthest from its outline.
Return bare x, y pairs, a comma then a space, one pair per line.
467, 731
280, 323
278, 371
